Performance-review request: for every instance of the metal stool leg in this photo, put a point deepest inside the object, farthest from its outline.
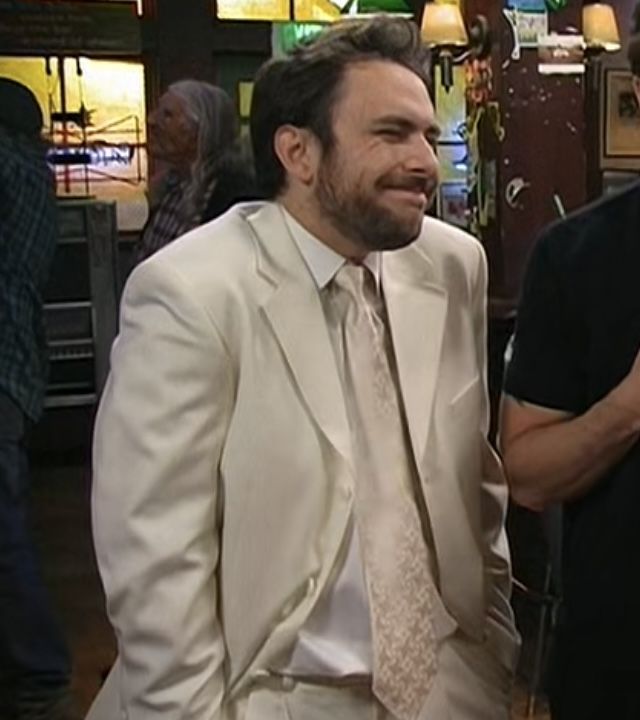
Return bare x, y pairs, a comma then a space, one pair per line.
540, 644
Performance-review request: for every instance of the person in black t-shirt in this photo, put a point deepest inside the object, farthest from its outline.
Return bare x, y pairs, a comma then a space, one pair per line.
570, 425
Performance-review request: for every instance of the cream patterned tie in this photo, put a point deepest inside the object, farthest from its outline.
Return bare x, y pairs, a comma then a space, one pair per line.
399, 584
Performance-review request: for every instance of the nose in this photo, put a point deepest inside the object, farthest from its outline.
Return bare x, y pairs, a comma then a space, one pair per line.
423, 157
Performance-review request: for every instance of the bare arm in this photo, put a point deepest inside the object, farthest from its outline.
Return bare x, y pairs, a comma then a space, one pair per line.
552, 456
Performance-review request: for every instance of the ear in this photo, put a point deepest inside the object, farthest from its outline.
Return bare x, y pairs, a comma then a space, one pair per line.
298, 151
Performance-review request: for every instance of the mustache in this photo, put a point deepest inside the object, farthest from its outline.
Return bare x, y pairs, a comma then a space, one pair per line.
414, 183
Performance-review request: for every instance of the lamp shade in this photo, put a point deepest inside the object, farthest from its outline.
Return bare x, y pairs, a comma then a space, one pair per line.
442, 25
600, 28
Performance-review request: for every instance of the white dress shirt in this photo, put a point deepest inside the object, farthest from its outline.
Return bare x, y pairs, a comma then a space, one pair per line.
336, 638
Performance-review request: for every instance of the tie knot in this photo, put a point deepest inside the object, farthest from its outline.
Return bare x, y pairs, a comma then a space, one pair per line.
357, 281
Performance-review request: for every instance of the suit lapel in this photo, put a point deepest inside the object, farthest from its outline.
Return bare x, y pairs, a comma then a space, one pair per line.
417, 308
294, 311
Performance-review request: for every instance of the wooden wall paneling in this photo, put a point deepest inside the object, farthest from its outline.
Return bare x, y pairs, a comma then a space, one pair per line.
543, 123
544, 136
490, 234
179, 42
543, 148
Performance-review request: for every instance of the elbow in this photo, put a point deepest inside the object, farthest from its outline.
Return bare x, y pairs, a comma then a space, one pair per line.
525, 491
527, 498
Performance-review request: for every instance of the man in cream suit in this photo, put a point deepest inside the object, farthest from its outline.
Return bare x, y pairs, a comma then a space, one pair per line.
296, 513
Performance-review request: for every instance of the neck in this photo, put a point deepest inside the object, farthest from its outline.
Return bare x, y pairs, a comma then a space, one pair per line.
322, 227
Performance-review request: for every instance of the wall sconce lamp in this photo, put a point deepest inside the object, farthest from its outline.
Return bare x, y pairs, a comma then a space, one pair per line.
600, 29
600, 32
444, 32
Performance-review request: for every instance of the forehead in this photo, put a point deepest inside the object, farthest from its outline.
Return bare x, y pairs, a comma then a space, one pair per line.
171, 101
377, 88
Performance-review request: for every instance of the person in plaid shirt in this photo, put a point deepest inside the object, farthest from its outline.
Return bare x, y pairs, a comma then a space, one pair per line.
34, 661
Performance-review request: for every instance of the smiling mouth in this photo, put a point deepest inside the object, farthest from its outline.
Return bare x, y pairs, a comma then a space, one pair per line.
418, 196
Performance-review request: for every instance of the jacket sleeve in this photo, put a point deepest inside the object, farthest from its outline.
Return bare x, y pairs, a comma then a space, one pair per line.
158, 440
494, 496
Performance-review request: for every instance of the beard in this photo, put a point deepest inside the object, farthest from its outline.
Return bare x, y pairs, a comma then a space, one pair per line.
355, 213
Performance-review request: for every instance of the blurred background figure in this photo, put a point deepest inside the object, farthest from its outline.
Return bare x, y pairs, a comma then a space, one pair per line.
194, 139
34, 662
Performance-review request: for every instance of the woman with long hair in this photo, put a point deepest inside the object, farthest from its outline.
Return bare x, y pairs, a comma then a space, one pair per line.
194, 138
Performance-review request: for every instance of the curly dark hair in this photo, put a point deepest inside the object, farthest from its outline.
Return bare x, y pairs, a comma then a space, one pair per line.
301, 89
634, 42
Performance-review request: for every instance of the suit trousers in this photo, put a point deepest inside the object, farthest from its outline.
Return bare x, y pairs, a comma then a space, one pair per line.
471, 684
34, 662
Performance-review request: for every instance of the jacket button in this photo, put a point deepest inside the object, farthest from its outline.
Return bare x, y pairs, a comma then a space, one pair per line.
288, 684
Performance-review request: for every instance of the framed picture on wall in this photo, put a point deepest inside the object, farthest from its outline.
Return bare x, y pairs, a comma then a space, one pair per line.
453, 203
620, 122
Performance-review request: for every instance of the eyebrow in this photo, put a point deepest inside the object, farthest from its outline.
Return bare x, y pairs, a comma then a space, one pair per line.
433, 131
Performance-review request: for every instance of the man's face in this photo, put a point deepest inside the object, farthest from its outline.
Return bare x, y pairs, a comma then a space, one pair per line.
380, 176
172, 134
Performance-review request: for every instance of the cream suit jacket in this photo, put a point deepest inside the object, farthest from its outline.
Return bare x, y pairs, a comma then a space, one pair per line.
223, 472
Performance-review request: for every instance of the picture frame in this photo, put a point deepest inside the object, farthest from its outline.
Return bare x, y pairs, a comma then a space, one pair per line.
528, 25
620, 122
453, 203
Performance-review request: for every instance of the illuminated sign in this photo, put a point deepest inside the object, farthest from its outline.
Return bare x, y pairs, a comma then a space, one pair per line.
287, 36
97, 155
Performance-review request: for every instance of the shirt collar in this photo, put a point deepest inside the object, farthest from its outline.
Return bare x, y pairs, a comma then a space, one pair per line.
322, 261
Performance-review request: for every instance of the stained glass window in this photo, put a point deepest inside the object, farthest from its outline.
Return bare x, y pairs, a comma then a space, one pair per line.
271, 10
99, 147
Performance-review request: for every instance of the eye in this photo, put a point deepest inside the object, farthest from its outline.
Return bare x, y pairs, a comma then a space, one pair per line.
432, 137
392, 133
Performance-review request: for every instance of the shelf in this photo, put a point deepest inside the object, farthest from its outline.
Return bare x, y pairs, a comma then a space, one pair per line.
71, 305
81, 303
63, 401
73, 355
